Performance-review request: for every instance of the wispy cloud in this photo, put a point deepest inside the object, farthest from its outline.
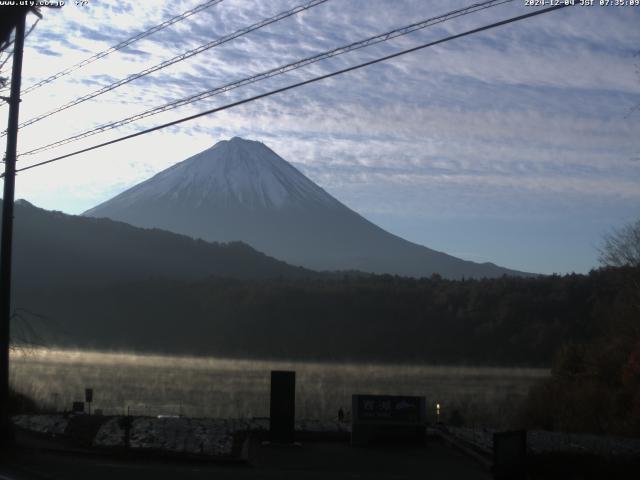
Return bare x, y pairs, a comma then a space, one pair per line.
534, 114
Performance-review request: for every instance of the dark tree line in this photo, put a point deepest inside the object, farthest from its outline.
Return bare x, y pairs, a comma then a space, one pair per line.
505, 321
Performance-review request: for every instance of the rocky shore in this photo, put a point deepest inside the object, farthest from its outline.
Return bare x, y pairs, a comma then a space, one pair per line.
544, 442
192, 436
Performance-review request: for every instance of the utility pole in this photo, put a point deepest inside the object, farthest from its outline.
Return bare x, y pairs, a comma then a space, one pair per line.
6, 431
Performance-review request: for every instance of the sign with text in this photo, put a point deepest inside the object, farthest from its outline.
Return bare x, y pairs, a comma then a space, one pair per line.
388, 408
387, 418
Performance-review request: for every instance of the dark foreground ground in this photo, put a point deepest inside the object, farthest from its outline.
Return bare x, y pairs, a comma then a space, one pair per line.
309, 460
442, 456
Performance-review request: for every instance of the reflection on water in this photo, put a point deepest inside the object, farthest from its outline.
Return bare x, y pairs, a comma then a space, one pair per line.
214, 387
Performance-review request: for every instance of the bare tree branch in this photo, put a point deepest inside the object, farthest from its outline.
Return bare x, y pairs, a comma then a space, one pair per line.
621, 247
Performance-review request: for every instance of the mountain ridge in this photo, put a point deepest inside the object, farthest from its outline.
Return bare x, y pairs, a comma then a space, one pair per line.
242, 190
53, 248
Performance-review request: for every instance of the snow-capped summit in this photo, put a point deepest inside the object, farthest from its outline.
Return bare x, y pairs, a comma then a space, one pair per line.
242, 190
232, 172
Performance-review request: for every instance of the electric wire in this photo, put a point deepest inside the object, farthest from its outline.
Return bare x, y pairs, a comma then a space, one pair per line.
272, 73
174, 60
299, 84
123, 44
10, 54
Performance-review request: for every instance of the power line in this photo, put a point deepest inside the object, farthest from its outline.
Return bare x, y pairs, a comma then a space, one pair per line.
123, 44
299, 84
10, 54
273, 72
176, 59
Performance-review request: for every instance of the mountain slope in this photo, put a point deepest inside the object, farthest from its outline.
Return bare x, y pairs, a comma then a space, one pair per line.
242, 190
52, 249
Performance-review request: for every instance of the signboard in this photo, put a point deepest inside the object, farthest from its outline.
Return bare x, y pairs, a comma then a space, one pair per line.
387, 418
78, 407
88, 395
387, 408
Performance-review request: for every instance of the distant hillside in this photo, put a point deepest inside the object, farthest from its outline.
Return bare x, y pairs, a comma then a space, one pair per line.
53, 250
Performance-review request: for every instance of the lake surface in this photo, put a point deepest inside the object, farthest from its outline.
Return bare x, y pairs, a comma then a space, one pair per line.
214, 387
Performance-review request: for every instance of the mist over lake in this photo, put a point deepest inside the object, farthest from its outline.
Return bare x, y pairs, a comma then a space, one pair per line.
226, 388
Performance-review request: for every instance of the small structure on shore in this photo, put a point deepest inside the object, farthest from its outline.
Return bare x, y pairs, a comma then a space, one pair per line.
283, 406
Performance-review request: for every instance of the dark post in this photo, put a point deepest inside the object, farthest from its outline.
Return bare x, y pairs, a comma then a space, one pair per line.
7, 230
88, 397
509, 455
283, 405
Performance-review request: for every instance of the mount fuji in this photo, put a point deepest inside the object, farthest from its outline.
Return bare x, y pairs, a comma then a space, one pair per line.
242, 190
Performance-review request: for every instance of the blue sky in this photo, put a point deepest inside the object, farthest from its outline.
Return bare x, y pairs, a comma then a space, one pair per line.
518, 146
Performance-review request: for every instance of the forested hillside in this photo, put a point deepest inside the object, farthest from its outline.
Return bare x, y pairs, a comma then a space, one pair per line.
506, 321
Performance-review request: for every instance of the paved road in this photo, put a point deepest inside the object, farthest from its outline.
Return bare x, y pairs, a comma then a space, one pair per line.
311, 460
